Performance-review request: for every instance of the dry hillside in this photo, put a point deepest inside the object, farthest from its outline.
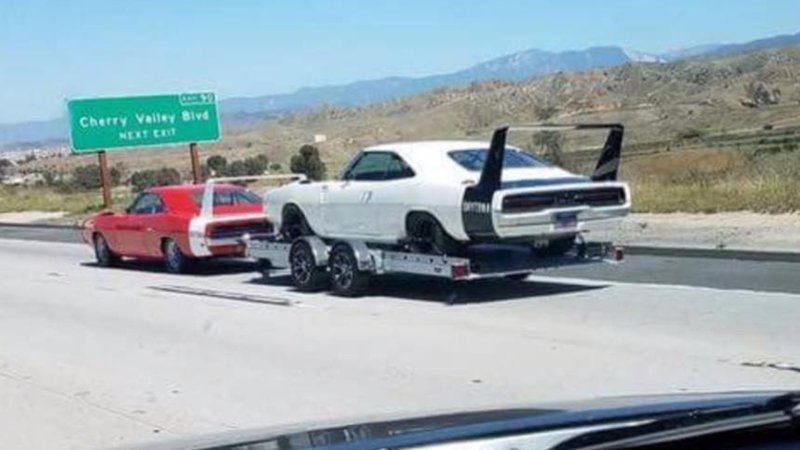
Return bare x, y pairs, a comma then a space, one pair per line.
661, 105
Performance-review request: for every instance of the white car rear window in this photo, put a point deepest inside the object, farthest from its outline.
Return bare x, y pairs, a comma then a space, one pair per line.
473, 159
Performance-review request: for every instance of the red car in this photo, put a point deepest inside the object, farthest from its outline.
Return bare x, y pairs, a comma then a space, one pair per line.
177, 224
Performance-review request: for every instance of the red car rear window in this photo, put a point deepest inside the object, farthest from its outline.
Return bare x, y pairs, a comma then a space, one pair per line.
228, 197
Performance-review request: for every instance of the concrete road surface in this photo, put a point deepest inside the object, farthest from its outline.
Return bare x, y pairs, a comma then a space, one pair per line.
95, 358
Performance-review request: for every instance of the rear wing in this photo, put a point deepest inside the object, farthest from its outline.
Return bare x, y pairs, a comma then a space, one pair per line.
607, 167
207, 206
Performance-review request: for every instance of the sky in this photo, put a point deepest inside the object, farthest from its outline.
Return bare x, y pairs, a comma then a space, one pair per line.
57, 49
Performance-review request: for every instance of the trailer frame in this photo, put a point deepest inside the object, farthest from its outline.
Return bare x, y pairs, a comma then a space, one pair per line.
322, 263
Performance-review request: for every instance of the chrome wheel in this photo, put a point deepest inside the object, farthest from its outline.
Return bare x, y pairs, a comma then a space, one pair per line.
342, 270
346, 279
301, 266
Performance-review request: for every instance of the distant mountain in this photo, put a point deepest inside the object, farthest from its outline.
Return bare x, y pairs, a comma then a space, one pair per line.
689, 52
245, 111
782, 40
516, 66
33, 133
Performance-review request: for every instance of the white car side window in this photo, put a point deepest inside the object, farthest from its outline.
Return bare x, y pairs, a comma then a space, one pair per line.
378, 166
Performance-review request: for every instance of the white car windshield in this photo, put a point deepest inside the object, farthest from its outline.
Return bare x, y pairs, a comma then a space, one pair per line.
473, 159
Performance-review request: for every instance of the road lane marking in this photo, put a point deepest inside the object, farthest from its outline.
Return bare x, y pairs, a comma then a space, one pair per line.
227, 295
597, 282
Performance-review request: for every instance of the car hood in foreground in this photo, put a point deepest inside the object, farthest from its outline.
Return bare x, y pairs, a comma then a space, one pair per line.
446, 427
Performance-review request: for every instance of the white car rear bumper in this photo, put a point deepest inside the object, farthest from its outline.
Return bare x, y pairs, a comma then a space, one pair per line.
557, 222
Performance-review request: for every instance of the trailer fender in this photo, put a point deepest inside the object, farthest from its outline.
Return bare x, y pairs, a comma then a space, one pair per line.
318, 248
362, 254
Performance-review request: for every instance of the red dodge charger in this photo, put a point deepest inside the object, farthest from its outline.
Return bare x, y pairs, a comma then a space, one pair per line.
178, 224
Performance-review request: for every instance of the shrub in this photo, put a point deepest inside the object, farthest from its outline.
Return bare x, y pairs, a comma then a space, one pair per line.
217, 164
308, 162
88, 176
164, 176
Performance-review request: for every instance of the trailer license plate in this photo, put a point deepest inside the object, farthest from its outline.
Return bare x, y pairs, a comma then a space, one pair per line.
565, 221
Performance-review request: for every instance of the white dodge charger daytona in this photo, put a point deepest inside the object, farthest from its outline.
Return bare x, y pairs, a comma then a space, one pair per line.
441, 196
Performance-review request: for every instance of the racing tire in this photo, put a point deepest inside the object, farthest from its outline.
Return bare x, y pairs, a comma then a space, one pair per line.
103, 254
346, 279
425, 229
174, 259
306, 275
442, 243
294, 224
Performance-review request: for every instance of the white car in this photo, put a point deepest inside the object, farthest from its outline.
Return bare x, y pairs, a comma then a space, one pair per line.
444, 195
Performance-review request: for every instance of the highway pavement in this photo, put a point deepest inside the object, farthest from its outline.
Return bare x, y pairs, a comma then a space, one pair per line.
96, 358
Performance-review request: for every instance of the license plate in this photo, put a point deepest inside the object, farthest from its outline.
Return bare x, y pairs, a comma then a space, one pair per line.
565, 221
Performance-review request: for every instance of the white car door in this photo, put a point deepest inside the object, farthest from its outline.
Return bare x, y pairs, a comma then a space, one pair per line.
346, 205
392, 197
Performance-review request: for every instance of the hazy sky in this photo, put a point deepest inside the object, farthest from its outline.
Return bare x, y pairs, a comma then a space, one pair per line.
51, 50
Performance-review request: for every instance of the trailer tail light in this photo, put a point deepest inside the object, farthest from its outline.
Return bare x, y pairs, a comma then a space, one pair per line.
459, 271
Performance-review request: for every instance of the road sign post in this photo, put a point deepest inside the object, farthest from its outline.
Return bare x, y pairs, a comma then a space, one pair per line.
102, 161
197, 174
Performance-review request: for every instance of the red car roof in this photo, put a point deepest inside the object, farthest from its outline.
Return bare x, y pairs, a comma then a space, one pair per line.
181, 196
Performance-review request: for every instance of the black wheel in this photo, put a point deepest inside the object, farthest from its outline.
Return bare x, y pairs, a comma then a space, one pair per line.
427, 233
174, 259
556, 247
294, 224
102, 252
517, 276
346, 279
306, 275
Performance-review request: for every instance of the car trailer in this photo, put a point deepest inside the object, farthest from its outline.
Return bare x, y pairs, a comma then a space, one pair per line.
347, 266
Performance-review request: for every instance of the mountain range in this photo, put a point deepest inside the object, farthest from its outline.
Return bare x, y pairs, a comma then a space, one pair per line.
242, 112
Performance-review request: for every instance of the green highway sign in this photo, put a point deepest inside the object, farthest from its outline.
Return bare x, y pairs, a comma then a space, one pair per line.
142, 121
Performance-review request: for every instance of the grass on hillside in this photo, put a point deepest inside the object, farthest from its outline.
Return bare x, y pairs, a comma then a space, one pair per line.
19, 198
715, 181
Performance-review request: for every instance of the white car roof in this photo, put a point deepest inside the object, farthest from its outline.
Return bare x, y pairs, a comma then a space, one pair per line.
405, 148
429, 159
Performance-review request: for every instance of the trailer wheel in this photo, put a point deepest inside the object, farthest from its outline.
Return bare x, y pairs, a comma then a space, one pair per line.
346, 279
306, 275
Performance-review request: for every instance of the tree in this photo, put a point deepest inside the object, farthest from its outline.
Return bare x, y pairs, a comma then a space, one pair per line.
236, 169
86, 177
256, 165
308, 162
217, 164
6, 168
275, 167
